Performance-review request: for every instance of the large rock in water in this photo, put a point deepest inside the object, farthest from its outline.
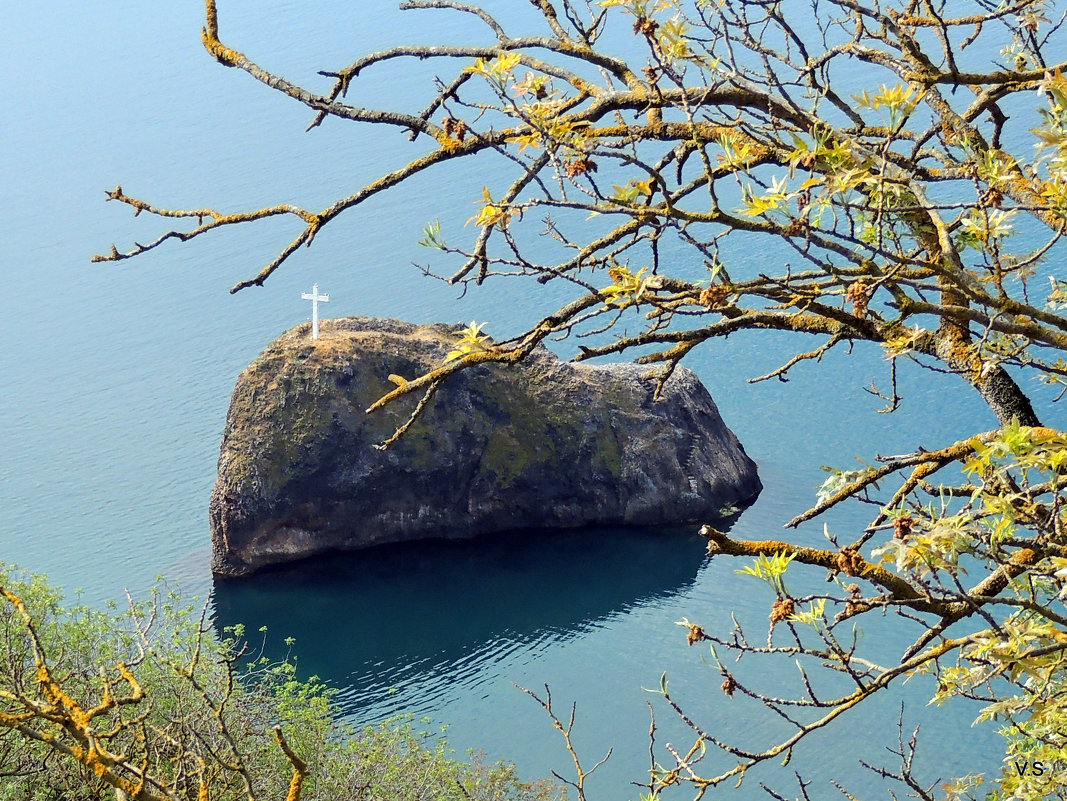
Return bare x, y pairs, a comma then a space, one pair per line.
542, 444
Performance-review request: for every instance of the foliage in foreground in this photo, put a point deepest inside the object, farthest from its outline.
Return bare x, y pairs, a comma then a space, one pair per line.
1004, 523
149, 704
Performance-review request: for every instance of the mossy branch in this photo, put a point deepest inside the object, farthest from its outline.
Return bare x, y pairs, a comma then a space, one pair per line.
80, 732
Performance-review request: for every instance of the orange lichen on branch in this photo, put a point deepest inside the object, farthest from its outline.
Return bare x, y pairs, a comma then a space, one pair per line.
210, 36
300, 768
222, 54
70, 717
448, 143
68, 727
311, 218
900, 589
216, 219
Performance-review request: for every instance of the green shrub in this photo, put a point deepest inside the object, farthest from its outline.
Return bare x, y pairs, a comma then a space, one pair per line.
149, 703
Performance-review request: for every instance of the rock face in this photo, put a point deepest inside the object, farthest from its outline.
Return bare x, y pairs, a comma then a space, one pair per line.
543, 444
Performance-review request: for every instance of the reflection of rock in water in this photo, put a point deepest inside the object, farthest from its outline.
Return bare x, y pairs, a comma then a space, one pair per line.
395, 611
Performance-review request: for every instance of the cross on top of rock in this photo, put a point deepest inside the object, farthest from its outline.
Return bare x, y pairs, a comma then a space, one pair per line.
315, 299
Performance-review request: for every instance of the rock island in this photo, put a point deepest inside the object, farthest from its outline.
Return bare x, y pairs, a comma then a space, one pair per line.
543, 444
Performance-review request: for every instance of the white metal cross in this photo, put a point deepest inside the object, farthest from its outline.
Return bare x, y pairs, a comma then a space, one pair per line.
315, 299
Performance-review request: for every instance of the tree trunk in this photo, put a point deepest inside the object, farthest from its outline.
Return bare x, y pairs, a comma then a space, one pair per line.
955, 346
997, 388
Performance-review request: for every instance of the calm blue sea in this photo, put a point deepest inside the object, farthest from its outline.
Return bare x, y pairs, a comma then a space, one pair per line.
115, 379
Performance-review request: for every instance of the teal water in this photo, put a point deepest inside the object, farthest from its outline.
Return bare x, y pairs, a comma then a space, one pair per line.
116, 378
